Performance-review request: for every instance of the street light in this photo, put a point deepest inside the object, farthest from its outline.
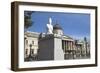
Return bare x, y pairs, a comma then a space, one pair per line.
30, 58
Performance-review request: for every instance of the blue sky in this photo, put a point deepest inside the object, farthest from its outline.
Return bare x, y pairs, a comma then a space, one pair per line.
76, 25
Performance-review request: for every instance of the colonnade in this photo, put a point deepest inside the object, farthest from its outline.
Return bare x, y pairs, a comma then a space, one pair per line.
67, 45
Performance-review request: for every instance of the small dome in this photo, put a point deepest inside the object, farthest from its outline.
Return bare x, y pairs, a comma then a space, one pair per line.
57, 26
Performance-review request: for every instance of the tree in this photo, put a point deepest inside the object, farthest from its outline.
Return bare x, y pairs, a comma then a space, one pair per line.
28, 19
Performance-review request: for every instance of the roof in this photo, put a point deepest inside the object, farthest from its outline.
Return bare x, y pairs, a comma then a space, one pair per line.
66, 37
32, 34
57, 26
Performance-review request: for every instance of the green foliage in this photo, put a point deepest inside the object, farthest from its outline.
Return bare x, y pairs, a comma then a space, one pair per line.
27, 19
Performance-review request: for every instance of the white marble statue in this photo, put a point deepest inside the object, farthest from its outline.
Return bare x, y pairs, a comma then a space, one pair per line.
50, 27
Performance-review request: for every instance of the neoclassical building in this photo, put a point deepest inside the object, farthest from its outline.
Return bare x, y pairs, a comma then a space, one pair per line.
54, 46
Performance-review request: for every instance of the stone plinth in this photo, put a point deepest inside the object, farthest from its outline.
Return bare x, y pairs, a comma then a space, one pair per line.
50, 48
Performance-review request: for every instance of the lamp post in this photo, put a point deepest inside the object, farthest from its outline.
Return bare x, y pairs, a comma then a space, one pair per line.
30, 49
85, 42
30, 58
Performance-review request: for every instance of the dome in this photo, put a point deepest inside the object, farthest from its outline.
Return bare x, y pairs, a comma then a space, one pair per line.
57, 26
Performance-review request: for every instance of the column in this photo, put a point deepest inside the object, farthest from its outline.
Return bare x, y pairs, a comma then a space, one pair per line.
71, 44
63, 45
66, 46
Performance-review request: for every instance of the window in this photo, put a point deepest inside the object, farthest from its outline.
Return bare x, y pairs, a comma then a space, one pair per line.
32, 42
32, 51
26, 52
26, 42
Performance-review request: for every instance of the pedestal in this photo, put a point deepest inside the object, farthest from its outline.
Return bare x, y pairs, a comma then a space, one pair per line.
50, 48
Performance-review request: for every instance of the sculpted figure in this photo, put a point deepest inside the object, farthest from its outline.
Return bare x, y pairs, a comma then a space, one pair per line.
50, 27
